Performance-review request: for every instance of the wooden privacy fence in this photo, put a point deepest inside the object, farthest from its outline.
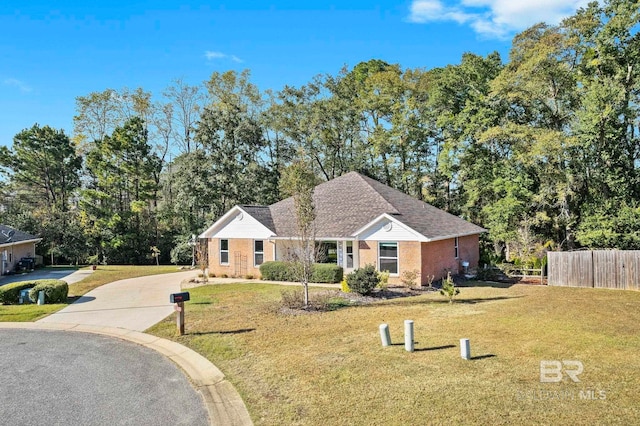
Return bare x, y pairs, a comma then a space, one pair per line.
616, 269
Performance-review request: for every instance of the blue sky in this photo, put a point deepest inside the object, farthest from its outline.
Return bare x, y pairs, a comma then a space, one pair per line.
53, 51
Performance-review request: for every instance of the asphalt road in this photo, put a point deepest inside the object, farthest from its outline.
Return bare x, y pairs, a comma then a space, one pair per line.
72, 378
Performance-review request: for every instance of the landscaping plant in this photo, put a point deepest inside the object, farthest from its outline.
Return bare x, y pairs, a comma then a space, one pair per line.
449, 288
384, 280
409, 277
344, 287
55, 291
363, 280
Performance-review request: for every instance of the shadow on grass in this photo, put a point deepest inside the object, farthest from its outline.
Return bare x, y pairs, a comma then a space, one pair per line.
473, 301
485, 299
479, 357
206, 333
493, 284
434, 348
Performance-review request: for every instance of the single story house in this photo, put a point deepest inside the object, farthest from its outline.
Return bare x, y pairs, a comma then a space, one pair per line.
359, 221
14, 245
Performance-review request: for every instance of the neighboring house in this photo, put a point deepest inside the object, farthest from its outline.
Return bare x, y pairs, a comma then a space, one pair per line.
359, 221
14, 245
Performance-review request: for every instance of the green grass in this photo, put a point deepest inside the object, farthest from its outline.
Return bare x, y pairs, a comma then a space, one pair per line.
26, 313
103, 275
329, 368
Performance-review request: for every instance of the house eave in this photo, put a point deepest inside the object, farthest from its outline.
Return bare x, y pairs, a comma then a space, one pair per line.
218, 223
418, 235
324, 238
13, 243
448, 237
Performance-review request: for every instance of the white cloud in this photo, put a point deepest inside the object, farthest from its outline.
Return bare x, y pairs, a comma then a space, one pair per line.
17, 83
494, 18
210, 55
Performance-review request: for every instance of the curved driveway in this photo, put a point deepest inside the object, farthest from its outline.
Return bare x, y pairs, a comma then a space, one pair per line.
65, 378
134, 304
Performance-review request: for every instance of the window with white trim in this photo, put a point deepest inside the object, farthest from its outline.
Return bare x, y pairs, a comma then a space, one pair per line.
388, 257
455, 246
224, 252
258, 252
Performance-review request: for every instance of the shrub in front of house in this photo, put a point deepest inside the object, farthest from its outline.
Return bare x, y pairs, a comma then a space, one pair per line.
10, 293
326, 273
284, 271
363, 280
276, 271
55, 291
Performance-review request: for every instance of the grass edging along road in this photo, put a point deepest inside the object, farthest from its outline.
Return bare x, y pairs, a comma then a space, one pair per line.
330, 368
104, 274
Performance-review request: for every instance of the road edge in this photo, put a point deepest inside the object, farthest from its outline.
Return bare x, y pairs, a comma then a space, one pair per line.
222, 400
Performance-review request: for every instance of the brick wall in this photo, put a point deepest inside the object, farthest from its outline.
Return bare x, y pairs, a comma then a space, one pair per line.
240, 257
470, 250
427, 258
408, 257
368, 253
439, 256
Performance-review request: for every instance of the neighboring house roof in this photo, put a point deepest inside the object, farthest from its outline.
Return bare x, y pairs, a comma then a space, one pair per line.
11, 236
348, 204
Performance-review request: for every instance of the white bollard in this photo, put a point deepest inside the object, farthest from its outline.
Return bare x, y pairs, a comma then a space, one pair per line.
41, 297
408, 335
465, 349
385, 336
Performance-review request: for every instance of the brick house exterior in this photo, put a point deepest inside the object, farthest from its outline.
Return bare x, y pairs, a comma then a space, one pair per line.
359, 221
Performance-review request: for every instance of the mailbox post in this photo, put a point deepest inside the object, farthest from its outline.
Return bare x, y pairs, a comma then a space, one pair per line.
179, 299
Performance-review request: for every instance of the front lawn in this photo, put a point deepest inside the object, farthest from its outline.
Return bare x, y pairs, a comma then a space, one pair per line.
330, 369
26, 313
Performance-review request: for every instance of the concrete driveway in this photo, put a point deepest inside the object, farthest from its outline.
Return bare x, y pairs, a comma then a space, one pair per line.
69, 275
134, 304
71, 378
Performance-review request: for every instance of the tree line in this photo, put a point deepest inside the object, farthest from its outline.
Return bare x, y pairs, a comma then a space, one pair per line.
541, 149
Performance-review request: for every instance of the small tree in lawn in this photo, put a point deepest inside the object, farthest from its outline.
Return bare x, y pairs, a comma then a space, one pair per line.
299, 181
449, 288
155, 253
201, 259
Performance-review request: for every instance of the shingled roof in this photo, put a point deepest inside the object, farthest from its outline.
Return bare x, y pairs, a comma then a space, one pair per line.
9, 235
348, 203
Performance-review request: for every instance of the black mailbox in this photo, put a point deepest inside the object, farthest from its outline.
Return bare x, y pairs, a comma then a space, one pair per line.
179, 297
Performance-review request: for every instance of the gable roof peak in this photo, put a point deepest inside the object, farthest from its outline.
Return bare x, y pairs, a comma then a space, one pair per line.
361, 185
